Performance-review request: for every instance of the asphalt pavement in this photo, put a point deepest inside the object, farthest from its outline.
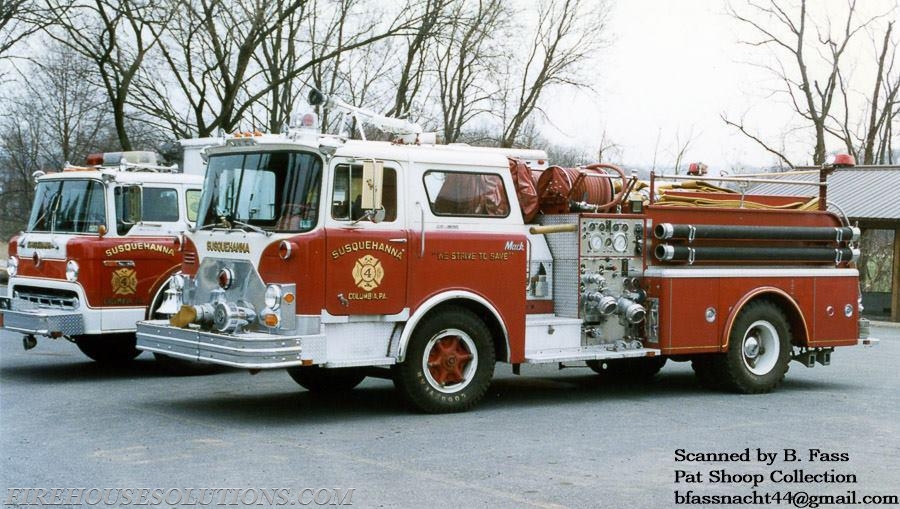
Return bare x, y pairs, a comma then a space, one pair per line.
548, 438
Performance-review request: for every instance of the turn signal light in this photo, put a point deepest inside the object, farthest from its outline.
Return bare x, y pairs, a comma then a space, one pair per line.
288, 298
270, 319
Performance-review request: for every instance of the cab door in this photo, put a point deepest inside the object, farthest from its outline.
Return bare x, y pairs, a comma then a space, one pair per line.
366, 257
142, 251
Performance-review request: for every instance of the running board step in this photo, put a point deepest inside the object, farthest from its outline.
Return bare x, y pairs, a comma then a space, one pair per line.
587, 353
381, 361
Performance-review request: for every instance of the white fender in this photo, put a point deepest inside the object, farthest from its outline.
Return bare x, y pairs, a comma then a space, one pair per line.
433, 302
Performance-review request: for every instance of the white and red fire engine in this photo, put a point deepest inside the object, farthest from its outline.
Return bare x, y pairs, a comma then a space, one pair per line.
340, 259
101, 242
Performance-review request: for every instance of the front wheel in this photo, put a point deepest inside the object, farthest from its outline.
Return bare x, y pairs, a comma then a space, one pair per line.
108, 348
449, 362
759, 350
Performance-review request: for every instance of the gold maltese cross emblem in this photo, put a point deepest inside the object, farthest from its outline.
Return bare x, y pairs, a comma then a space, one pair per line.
124, 282
368, 272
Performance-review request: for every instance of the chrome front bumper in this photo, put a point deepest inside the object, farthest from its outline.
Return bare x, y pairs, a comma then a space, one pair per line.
251, 350
44, 322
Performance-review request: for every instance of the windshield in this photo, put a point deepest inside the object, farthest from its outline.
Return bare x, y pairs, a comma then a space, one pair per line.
68, 206
271, 190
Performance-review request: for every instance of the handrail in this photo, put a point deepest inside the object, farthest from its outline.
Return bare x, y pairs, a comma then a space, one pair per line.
747, 180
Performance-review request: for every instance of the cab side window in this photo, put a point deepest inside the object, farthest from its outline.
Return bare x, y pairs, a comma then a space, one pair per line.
192, 199
159, 205
466, 194
346, 198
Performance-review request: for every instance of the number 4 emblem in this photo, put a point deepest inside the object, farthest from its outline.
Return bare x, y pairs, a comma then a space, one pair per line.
368, 272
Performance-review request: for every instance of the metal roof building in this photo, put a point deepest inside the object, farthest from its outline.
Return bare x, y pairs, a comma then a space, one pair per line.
868, 195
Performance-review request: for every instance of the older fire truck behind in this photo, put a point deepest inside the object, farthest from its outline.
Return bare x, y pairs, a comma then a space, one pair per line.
340, 259
101, 242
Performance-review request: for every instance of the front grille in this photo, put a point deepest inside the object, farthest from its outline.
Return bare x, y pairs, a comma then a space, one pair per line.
45, 298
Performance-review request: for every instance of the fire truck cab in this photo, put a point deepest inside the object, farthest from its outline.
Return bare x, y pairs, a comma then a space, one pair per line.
340, 259
100, 244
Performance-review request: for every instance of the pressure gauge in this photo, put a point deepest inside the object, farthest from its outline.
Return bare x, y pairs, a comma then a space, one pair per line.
620, 243
596, 243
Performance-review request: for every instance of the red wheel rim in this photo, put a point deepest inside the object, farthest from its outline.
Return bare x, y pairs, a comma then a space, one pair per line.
447, 360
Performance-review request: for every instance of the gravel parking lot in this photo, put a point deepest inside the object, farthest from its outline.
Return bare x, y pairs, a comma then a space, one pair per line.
548, 438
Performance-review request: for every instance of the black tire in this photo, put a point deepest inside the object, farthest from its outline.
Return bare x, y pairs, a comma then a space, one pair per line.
327, 380
639, 369
449, 362
109, 348
759, 350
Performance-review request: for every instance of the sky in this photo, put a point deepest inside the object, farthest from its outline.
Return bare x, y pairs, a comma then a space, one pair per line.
673, 67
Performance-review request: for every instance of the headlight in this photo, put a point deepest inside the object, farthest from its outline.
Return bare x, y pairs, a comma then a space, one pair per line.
12, 266
72, 271
273, 297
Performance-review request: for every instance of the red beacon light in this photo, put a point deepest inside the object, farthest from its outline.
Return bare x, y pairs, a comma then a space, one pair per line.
844, 161
697, 169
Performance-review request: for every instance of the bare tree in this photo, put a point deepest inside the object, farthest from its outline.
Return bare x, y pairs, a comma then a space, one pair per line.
414, 63
19, 19
740, 125
210, 56
56, 116
681, 147
567, 34
114, 36
870, 138
607, 149
206, 61
801, 45
465, 61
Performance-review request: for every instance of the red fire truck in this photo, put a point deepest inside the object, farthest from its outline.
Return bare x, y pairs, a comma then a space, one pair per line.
427, 264
101, 242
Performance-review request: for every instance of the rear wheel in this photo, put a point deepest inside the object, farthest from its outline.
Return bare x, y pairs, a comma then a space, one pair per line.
759, 350
108, 348
327, 380
449, 362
